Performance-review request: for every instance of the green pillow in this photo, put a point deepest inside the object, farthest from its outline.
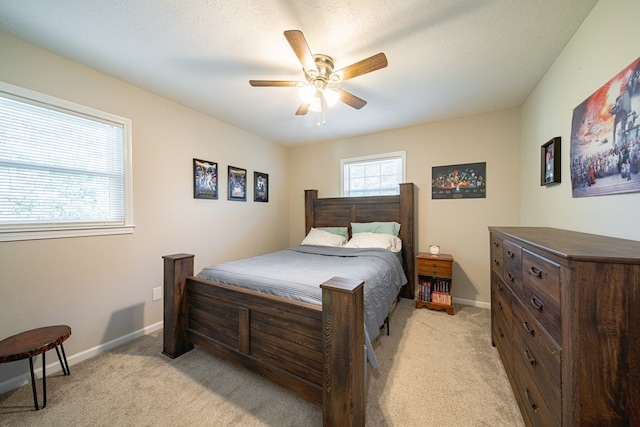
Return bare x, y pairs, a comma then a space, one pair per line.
392, 228
340, 231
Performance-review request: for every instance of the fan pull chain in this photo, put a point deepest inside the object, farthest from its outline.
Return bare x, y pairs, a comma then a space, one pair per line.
323, 108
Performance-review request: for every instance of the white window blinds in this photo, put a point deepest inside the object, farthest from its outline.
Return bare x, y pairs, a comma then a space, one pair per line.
63, 167
378, 175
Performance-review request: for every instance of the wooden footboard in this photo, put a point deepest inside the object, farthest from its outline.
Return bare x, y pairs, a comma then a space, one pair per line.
316, 351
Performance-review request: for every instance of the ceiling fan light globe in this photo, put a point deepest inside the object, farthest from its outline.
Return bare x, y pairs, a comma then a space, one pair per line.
307, 93
316, 104
331, 97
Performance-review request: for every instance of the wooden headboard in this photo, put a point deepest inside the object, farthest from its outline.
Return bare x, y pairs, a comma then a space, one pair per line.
342, 211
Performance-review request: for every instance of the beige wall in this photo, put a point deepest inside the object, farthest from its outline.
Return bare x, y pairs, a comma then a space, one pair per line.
102, 286
458, 226
509, 141
606, 43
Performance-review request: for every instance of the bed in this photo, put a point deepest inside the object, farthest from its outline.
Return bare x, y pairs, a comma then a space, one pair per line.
317, 351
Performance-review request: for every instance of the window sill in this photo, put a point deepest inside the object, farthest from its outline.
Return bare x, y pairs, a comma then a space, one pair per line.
10, 236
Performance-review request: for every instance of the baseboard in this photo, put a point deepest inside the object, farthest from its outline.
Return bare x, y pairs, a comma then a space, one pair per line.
473, 303
20, 380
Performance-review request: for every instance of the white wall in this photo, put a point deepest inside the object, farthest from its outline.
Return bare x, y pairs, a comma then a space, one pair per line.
102, 286
458, 226
605, 43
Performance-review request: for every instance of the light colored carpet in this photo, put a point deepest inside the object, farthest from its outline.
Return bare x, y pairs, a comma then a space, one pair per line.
435, 370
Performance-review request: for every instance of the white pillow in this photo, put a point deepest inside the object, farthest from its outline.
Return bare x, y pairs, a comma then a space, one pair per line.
318, 237
375, 240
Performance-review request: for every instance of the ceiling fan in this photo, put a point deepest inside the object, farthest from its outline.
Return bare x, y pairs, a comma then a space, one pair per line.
319, 91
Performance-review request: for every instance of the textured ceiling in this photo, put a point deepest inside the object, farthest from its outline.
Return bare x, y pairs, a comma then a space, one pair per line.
447, 58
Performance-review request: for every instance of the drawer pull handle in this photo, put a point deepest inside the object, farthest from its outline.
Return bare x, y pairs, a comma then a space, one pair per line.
510, 254
536, 303
499, 286
536, 272
529, 357
496, 244
511, 277
531, 402
528, 328
499, 305
496, 262
500, 332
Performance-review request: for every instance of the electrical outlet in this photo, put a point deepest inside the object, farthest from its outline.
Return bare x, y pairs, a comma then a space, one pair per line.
157, 294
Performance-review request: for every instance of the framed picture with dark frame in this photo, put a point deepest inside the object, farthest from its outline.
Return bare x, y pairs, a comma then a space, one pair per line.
205, 179
461, 181
550, 162
260, 187
237, 183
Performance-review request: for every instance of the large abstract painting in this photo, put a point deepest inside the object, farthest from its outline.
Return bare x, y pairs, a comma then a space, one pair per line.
605, 138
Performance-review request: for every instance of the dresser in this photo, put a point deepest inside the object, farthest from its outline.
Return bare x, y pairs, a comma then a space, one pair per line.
565, 319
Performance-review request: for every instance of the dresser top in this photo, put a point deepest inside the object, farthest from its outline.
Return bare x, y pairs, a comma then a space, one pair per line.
574, 245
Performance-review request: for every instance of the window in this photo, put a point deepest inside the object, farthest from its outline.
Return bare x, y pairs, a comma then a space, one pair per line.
378, 175
65, 169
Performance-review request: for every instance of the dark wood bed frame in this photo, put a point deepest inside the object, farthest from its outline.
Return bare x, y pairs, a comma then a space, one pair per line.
316, 351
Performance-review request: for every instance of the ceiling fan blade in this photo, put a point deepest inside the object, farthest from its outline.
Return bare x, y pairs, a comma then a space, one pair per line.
350, 99
365, 66
302, 109
301, 49
273, 83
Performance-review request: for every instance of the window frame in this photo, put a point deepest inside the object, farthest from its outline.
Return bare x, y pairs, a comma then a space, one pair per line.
18, 232
402, 155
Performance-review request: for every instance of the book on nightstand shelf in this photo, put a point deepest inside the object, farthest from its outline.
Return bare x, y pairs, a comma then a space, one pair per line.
434, 282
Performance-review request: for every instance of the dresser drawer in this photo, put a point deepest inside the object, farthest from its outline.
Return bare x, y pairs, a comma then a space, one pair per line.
532, 403
501, 299
512, 260
496, 255
435, 268
535, 351
541, 275
503, 339
545, 310
541, 292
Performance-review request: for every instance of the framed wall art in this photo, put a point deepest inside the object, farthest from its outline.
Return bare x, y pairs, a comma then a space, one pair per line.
550, 154
237, 181
205, 179
605, 138
465, 181
260, 187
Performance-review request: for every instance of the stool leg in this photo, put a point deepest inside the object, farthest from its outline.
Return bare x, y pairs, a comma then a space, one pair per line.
33, 383
64, 357
65, 365
44, 381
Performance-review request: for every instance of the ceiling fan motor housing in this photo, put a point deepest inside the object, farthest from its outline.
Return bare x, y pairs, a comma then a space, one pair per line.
323, 73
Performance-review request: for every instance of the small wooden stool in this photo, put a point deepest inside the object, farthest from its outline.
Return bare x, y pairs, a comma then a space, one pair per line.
32, 343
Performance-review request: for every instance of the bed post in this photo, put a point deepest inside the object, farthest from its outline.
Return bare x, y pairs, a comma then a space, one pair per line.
176, 270
409, 234
309, 213
343, 397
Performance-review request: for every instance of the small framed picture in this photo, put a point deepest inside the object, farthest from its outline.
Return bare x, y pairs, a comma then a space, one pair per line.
550, 162
205, 179
260, 187
237, 181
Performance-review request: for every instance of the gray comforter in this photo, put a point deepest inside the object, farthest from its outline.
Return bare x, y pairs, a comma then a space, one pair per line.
297, 273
